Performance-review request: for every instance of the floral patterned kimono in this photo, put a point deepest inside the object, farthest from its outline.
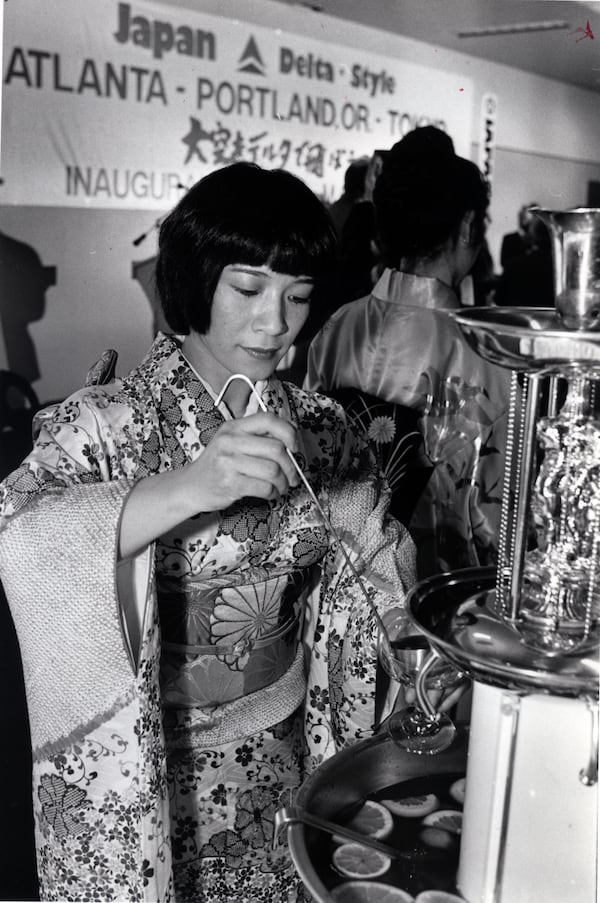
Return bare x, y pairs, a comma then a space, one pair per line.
177, 700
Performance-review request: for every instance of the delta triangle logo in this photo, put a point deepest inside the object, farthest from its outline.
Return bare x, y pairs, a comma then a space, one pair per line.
251, 60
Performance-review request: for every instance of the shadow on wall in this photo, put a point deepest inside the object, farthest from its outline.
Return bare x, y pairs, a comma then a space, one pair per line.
23, 281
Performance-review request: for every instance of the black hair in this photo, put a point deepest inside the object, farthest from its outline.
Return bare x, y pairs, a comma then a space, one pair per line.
356, 176
238, 214
422, 193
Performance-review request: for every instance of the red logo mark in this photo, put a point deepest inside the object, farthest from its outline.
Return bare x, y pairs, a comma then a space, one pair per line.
584, 32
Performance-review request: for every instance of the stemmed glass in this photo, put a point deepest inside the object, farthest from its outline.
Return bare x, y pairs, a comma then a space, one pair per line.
445, 422
408, 659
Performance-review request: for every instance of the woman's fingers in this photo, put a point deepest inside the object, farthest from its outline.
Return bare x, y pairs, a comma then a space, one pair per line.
246, 457
454, 696
276, 475
442, 700
260, 448
261, 456
266, 424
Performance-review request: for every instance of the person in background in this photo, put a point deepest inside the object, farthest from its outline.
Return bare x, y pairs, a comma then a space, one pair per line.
527, 279
354, 191
359, 254
354, 220
400, 345
193, 642
516, 244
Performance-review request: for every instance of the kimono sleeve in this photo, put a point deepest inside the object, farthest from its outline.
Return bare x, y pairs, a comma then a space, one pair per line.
99, 782
59, 525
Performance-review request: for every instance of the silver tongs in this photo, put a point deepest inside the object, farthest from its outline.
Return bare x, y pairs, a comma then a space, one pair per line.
291, 815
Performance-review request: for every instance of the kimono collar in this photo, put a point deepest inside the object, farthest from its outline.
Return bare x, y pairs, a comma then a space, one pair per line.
172, 380
410, 290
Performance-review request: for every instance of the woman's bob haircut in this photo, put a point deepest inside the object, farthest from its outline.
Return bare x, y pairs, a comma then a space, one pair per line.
240, 214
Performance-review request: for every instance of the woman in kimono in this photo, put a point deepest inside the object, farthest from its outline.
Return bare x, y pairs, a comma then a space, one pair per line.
193, 640
407, 366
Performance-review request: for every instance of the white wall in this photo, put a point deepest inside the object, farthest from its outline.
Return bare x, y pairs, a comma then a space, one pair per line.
547, 140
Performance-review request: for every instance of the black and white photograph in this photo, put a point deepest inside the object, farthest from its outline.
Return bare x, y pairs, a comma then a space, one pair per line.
299, 451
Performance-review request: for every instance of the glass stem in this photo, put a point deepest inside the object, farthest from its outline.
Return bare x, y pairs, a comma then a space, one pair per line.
423, 700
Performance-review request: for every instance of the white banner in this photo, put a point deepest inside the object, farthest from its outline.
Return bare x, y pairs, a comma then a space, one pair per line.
125, 105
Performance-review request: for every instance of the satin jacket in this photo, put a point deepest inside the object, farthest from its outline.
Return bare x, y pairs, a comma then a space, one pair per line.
401, 345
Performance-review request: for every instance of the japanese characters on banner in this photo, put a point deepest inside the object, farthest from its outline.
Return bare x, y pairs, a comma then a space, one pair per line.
487, 135
126, 105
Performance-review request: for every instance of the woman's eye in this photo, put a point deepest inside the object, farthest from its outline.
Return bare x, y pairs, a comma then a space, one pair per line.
300, 299
246, 292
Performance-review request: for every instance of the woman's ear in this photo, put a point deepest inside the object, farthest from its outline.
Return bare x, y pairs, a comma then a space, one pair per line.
466, 229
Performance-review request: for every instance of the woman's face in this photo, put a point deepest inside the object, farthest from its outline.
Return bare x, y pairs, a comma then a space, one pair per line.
256, 315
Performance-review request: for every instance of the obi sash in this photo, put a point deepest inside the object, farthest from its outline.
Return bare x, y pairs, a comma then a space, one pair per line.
227, 636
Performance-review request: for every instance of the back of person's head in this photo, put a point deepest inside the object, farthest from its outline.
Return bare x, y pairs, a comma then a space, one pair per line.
354, 177
538, 235
422, 194
526, 217
240, 214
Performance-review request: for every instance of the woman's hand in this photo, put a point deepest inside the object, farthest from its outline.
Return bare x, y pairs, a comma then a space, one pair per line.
246, 457
443, 700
